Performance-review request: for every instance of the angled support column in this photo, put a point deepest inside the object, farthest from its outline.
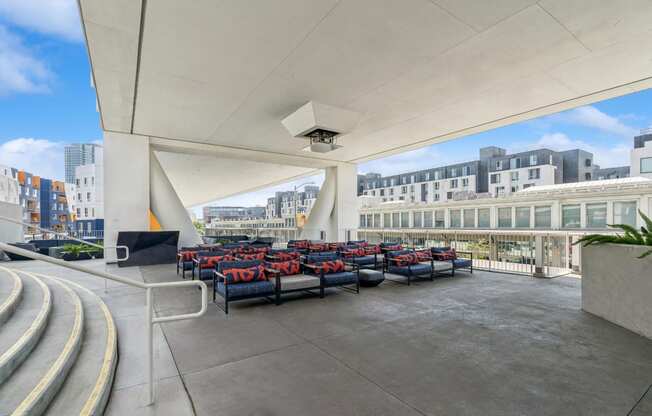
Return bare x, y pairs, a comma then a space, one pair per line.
168, 208
336, 210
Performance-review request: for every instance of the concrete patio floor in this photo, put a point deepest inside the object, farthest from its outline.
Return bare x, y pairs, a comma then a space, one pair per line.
486, 344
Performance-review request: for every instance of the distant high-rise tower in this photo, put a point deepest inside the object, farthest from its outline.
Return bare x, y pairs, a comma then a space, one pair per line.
78, 154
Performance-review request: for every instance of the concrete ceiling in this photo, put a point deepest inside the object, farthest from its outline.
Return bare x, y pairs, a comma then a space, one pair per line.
226, 73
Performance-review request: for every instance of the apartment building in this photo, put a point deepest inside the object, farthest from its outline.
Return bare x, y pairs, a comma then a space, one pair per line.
282, 204
494, 174
86, 195
54, 206
227, 213
78, 154
9, 190
641, 155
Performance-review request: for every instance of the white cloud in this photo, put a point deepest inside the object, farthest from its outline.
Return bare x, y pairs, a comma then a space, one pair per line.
20, 72
38, 156
604, 155
50, 17
590, 116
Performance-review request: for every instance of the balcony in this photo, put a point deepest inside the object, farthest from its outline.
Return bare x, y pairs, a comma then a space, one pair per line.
480, 344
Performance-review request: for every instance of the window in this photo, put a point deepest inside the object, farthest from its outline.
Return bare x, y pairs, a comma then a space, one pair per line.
542, 217
411, 189
453, 183
523, 217
405, 219
596, 215
382, 192
587, 176
93, 212
435, 197
469, 218
88, 196
514, 189
495, 178
370, 221
504, 218
54, 197
499, 164
391, 191
92, 180
85, 181
527, 185
570, 216
456, 218
449, 195
484, 218
404, 189
439, 218
363, 221
625, 213
435, 186
453, 172
465, 182
79, 212
417, 219
587, 163
437, 174
427, 219
533, 160
514, 176
500, 190
396, 217
512, 163
86, 212
387, 222
646, 165
534, 173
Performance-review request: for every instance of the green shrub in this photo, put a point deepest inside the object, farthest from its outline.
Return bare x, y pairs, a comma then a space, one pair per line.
642, 237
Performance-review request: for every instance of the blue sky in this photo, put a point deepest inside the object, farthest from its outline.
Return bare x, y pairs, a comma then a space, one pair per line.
46, 100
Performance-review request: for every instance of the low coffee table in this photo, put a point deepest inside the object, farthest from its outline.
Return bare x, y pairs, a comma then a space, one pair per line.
370, 277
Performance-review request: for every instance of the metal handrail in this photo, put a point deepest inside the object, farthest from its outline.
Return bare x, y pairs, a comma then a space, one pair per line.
148, 287
45, 230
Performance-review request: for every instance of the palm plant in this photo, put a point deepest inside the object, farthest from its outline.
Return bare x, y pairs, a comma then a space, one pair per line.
642, 237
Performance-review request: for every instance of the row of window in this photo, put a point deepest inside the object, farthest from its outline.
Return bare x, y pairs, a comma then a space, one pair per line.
507, 217
428, 176
452, 184
77, 181
532, 174
85, 212
646, 165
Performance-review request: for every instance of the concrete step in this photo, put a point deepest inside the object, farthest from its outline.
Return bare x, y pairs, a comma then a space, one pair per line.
11, 290
33, 385
21, 333
88, 386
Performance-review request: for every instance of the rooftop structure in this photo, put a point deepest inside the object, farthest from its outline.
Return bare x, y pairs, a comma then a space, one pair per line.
78, 154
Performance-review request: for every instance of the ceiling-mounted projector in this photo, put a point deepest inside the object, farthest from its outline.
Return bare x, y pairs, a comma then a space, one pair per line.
320, 124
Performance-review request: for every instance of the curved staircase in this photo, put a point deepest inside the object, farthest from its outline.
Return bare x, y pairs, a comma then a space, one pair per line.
58, 347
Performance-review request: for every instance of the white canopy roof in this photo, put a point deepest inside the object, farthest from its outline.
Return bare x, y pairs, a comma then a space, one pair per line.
225, 73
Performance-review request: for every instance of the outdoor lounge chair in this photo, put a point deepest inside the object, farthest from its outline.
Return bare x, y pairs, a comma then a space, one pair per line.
386, 247
184, 259
365, 257
288, 277
240, 280
332, 271
205, 261
450, 255
409, 264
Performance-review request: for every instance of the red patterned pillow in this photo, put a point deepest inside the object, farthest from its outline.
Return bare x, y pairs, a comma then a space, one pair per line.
354, 252
253, 256
211, 261
318, 247
301, 244
286, 268
448, 255
335, 266
250, 274
371, 250
186, 255
261, 250
423, 255
406, 259
393, 248
286, 256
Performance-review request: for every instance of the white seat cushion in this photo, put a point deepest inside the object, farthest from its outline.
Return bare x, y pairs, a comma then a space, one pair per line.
442, 265
298, 281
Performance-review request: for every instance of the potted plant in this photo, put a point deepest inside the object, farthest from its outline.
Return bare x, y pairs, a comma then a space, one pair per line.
617, 276
72, 252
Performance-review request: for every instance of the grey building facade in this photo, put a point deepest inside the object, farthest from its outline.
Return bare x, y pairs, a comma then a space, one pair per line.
78, 154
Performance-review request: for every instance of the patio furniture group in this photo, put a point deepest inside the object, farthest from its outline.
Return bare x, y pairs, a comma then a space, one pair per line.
240, 271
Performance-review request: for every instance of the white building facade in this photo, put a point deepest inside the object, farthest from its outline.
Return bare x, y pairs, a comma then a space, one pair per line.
9, 188
641, 155
86, 196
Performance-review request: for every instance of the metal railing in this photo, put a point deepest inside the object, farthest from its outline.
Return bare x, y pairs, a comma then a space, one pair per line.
495, 250
148, 287
280, 235
67, 236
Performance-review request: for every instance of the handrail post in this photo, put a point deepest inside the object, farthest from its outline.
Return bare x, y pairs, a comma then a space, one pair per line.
150, 346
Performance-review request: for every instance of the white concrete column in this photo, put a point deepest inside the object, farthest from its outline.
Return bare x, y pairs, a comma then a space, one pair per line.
126, 186
167, 207
336, 208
